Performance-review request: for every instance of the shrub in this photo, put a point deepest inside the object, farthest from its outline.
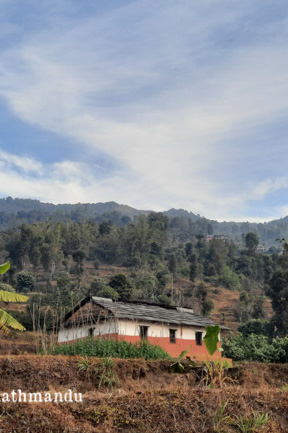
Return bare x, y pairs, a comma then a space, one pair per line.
111, 348
255, 326
6, 287
184, 272
229, 279
255, 348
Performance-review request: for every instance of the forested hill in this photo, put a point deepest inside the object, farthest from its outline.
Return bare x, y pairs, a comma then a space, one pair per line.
14, 212
18, 211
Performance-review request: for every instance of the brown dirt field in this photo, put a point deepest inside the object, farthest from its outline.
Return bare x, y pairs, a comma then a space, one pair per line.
16, 343
148, 397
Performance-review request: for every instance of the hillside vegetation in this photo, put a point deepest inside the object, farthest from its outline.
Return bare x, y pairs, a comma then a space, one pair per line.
153, 258
14, 212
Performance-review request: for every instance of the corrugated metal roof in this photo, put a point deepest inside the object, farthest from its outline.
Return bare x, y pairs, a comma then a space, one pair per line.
152, 313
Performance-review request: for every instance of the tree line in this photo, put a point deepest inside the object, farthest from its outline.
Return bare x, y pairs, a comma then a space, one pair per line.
183, 224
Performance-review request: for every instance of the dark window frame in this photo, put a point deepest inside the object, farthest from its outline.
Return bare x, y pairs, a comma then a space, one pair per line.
199, 338
143, 332
172, 335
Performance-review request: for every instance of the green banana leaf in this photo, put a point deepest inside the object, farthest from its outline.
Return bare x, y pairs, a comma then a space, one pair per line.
7, 320
4, 268
211, 338
12, 297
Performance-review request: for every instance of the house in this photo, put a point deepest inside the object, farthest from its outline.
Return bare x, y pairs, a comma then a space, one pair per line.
210, 238
173, 328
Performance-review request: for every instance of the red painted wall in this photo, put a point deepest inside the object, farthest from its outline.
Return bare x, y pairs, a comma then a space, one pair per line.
174, 349
198, 353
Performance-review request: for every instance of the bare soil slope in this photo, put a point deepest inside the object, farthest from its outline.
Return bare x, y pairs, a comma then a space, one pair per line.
147, 398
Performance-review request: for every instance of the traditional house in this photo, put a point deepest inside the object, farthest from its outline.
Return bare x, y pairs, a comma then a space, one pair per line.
173, 328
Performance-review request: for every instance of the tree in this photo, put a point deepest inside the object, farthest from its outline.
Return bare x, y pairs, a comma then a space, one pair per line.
162, 276
105, 228
193, 267
6, 320
172, 264
25, 281
46, 256
255, 326
122, 285
78, 257
251, 242
108, 292
188, 248
206, 305
278, 293
97, 285
147, 285
229, 279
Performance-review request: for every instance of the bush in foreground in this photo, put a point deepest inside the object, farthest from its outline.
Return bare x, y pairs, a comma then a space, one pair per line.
255, 348
110, 348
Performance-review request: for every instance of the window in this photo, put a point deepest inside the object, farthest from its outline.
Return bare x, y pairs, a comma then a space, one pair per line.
198, 338
143, 332
172, 333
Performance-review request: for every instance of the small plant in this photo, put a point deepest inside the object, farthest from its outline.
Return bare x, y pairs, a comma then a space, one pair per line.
215, 373
104, 372
84, 364
177, 366
251, 424
220, 419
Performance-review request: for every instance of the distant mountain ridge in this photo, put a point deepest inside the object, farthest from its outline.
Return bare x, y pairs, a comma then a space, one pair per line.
22, 204
172, 213
14, 212
15, 205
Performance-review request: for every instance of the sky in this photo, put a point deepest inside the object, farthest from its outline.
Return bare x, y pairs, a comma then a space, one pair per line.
156, 104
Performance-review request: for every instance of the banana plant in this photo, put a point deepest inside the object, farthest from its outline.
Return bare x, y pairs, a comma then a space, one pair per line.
6, 320
177, 366
211, 338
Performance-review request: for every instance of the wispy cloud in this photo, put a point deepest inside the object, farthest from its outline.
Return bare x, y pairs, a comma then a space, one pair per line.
22, 164
174, 92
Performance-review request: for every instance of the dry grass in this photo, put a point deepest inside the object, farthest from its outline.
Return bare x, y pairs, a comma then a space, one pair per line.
150, 398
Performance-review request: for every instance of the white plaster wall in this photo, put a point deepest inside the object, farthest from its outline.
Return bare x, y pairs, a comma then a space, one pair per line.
73, 333
130, 327
69, 334
109, 327
189, 333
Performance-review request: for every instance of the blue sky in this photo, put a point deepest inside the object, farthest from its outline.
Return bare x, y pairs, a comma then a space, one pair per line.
154, 104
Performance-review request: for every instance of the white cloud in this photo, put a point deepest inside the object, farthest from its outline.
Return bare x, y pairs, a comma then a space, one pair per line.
159, 96
27, 165
268, 186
